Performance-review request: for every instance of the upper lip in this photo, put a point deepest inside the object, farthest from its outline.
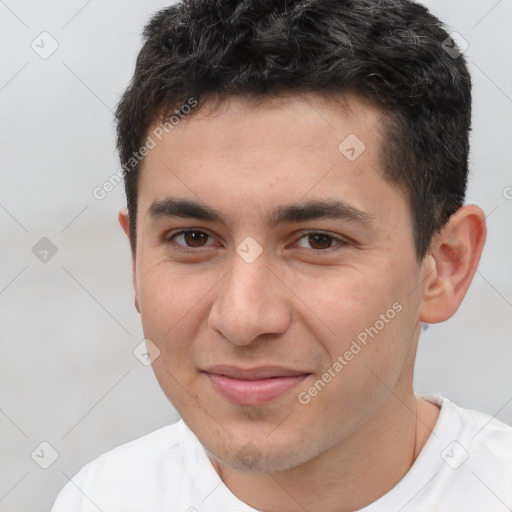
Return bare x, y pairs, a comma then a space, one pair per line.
259, 372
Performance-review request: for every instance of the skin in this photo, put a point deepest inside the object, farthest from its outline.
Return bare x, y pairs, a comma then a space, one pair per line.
297, 305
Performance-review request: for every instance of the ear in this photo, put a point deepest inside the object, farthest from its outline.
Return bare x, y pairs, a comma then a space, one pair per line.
451, 264
124, 221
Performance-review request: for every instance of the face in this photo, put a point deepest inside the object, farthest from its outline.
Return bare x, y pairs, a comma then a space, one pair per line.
276, 272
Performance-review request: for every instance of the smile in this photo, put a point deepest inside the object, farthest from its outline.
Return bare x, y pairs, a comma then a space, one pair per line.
255, 386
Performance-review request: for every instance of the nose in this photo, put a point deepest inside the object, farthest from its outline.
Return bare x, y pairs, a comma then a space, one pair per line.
251, 301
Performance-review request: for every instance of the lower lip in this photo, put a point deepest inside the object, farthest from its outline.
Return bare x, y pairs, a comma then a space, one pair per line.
253, 392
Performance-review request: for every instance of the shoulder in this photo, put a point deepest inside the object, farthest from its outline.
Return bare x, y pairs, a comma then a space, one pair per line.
465, 465
475, 459
165, 438
477, 427
488, 441
166, 442
116, 477
479, 433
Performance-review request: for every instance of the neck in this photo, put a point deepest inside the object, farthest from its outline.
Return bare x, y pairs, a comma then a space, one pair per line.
353, 473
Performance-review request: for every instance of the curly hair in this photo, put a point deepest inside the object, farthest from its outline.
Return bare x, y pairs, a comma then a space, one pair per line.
392, 52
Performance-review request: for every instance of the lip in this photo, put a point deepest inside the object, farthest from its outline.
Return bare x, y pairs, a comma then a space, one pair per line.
253, 386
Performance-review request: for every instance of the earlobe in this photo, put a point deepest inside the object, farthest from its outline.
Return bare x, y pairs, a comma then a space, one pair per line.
124, 221
451, 264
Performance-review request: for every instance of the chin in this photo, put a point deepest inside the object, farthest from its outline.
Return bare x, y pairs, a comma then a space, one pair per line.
271, 458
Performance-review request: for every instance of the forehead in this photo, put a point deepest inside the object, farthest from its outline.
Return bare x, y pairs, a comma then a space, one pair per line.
287, 119
245, 153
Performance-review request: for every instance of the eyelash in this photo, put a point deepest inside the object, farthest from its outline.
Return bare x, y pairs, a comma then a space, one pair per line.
341, 242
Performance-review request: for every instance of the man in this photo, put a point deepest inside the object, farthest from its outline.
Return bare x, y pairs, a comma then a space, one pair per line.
295, 175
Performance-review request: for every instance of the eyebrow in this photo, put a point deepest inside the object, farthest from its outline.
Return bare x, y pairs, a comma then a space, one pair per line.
298, 212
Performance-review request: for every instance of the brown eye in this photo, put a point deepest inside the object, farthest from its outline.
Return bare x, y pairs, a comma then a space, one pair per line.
189, 239
195, 238
320, 241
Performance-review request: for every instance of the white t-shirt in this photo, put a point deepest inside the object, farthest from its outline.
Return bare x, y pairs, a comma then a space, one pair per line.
465, 466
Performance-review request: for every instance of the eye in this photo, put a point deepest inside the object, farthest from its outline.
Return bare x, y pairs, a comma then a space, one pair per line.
320, 241
188, 239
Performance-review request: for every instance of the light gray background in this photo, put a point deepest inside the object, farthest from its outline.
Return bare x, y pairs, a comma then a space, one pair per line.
68, 326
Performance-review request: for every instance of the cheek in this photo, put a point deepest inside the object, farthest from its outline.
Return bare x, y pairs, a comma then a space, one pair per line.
367, 358
345, 304
169, 298
172, 311
364, 325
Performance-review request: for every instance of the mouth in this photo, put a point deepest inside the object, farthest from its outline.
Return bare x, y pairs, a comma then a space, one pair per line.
253, 386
